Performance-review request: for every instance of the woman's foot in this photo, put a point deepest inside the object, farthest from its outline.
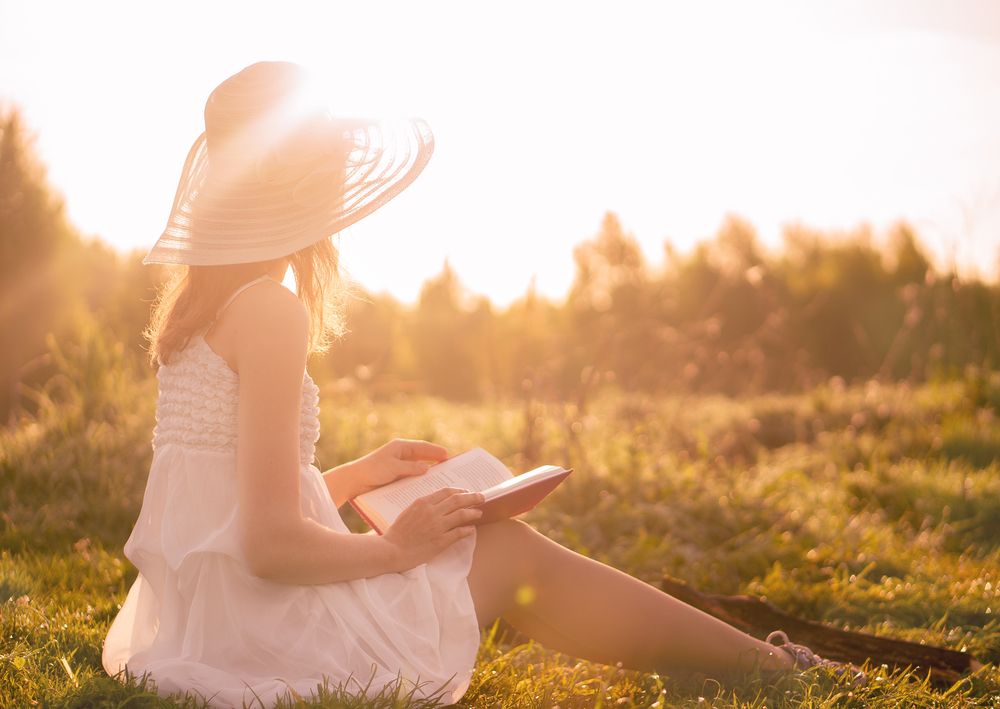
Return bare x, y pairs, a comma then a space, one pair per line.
806, 658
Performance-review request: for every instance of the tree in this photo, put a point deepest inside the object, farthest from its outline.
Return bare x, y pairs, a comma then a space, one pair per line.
451, 341
51, 280
33, 230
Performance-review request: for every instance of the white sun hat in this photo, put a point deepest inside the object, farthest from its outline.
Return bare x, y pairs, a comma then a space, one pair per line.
274, 173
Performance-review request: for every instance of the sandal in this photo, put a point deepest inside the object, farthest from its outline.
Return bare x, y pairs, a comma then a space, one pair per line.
806, 658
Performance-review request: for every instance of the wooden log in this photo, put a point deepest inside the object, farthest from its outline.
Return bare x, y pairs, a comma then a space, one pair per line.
759, 618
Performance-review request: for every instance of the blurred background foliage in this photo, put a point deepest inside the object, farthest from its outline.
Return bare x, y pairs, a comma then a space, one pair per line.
52, 280
728, 318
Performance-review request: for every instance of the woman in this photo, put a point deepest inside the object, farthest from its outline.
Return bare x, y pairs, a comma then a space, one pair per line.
250, 584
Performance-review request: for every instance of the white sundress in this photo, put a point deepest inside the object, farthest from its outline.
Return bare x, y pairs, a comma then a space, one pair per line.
197, 620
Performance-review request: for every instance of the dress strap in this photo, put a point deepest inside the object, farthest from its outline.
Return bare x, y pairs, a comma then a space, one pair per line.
239, 290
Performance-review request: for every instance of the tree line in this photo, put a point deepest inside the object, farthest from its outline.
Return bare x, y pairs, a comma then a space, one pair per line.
728, 317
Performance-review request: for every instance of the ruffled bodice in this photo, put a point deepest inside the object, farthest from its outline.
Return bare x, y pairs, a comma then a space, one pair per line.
196, 408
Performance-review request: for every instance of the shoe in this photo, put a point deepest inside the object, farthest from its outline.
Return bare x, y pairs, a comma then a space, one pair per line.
806, 658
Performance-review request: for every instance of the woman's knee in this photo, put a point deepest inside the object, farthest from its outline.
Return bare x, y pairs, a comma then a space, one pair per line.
516, 547
509, 532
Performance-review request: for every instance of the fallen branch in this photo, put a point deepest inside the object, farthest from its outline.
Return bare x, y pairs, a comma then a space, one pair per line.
758, 618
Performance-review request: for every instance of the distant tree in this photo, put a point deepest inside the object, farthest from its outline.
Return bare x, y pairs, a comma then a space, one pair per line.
33, 225
451, 341
33, 231
530, 338
907, 261
608, 312
728, 319
376, 348
51, 280
843, 303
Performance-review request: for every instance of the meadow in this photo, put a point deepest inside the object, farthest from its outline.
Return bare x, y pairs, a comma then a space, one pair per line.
874, 507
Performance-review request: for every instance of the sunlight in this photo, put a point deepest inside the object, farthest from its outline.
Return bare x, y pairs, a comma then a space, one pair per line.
280, 144
672, 115
289, 280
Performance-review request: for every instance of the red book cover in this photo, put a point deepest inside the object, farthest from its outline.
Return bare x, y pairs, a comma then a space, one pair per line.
516, 502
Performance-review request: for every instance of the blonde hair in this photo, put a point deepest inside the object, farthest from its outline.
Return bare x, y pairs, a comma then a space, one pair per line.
189, 302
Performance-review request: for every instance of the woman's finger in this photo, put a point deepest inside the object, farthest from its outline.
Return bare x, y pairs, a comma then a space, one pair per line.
458, 533
463, 516
421, 450
409, 468
461, 500
439, 496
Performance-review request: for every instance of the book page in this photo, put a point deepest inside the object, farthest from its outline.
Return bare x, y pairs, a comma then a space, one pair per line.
471, 470
524, 480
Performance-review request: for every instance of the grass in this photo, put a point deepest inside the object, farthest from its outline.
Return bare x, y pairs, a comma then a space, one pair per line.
858, 506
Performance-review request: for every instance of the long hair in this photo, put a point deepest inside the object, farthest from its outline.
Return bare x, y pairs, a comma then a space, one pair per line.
190, 301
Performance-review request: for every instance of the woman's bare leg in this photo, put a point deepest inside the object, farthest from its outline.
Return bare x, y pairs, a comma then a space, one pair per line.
581, 607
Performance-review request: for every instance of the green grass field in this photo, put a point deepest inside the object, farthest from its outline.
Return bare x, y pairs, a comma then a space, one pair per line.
870, 507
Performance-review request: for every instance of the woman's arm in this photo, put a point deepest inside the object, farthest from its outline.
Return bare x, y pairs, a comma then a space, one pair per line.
267, 328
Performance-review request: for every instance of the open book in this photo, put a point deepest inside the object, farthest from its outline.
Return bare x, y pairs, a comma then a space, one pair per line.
475, 470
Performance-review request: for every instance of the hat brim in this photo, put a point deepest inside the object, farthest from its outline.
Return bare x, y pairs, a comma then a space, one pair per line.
215, 224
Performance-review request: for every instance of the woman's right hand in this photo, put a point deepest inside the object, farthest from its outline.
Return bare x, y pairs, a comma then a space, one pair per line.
433, 523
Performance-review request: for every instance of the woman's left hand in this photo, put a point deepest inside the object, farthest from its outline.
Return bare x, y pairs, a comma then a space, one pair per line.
399, 458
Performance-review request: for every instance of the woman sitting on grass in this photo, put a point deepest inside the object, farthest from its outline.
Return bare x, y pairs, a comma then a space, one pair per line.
249, 582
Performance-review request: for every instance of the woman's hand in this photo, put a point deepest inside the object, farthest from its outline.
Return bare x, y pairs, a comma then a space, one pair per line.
397, 459
433, 523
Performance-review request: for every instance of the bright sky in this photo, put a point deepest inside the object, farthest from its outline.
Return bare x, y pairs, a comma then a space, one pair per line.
546, 115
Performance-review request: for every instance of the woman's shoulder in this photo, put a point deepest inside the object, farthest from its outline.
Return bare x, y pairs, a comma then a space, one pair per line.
265, 321
271, 295
270, 308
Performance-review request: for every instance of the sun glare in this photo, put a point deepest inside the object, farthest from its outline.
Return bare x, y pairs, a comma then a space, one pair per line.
669, 114
289, 280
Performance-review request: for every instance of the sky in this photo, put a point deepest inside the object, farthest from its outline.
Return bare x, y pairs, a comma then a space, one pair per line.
546, 115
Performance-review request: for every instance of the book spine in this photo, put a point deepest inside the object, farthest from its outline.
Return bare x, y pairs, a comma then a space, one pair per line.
365, 517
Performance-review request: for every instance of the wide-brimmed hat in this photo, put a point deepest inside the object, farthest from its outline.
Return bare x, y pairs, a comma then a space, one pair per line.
274, 172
